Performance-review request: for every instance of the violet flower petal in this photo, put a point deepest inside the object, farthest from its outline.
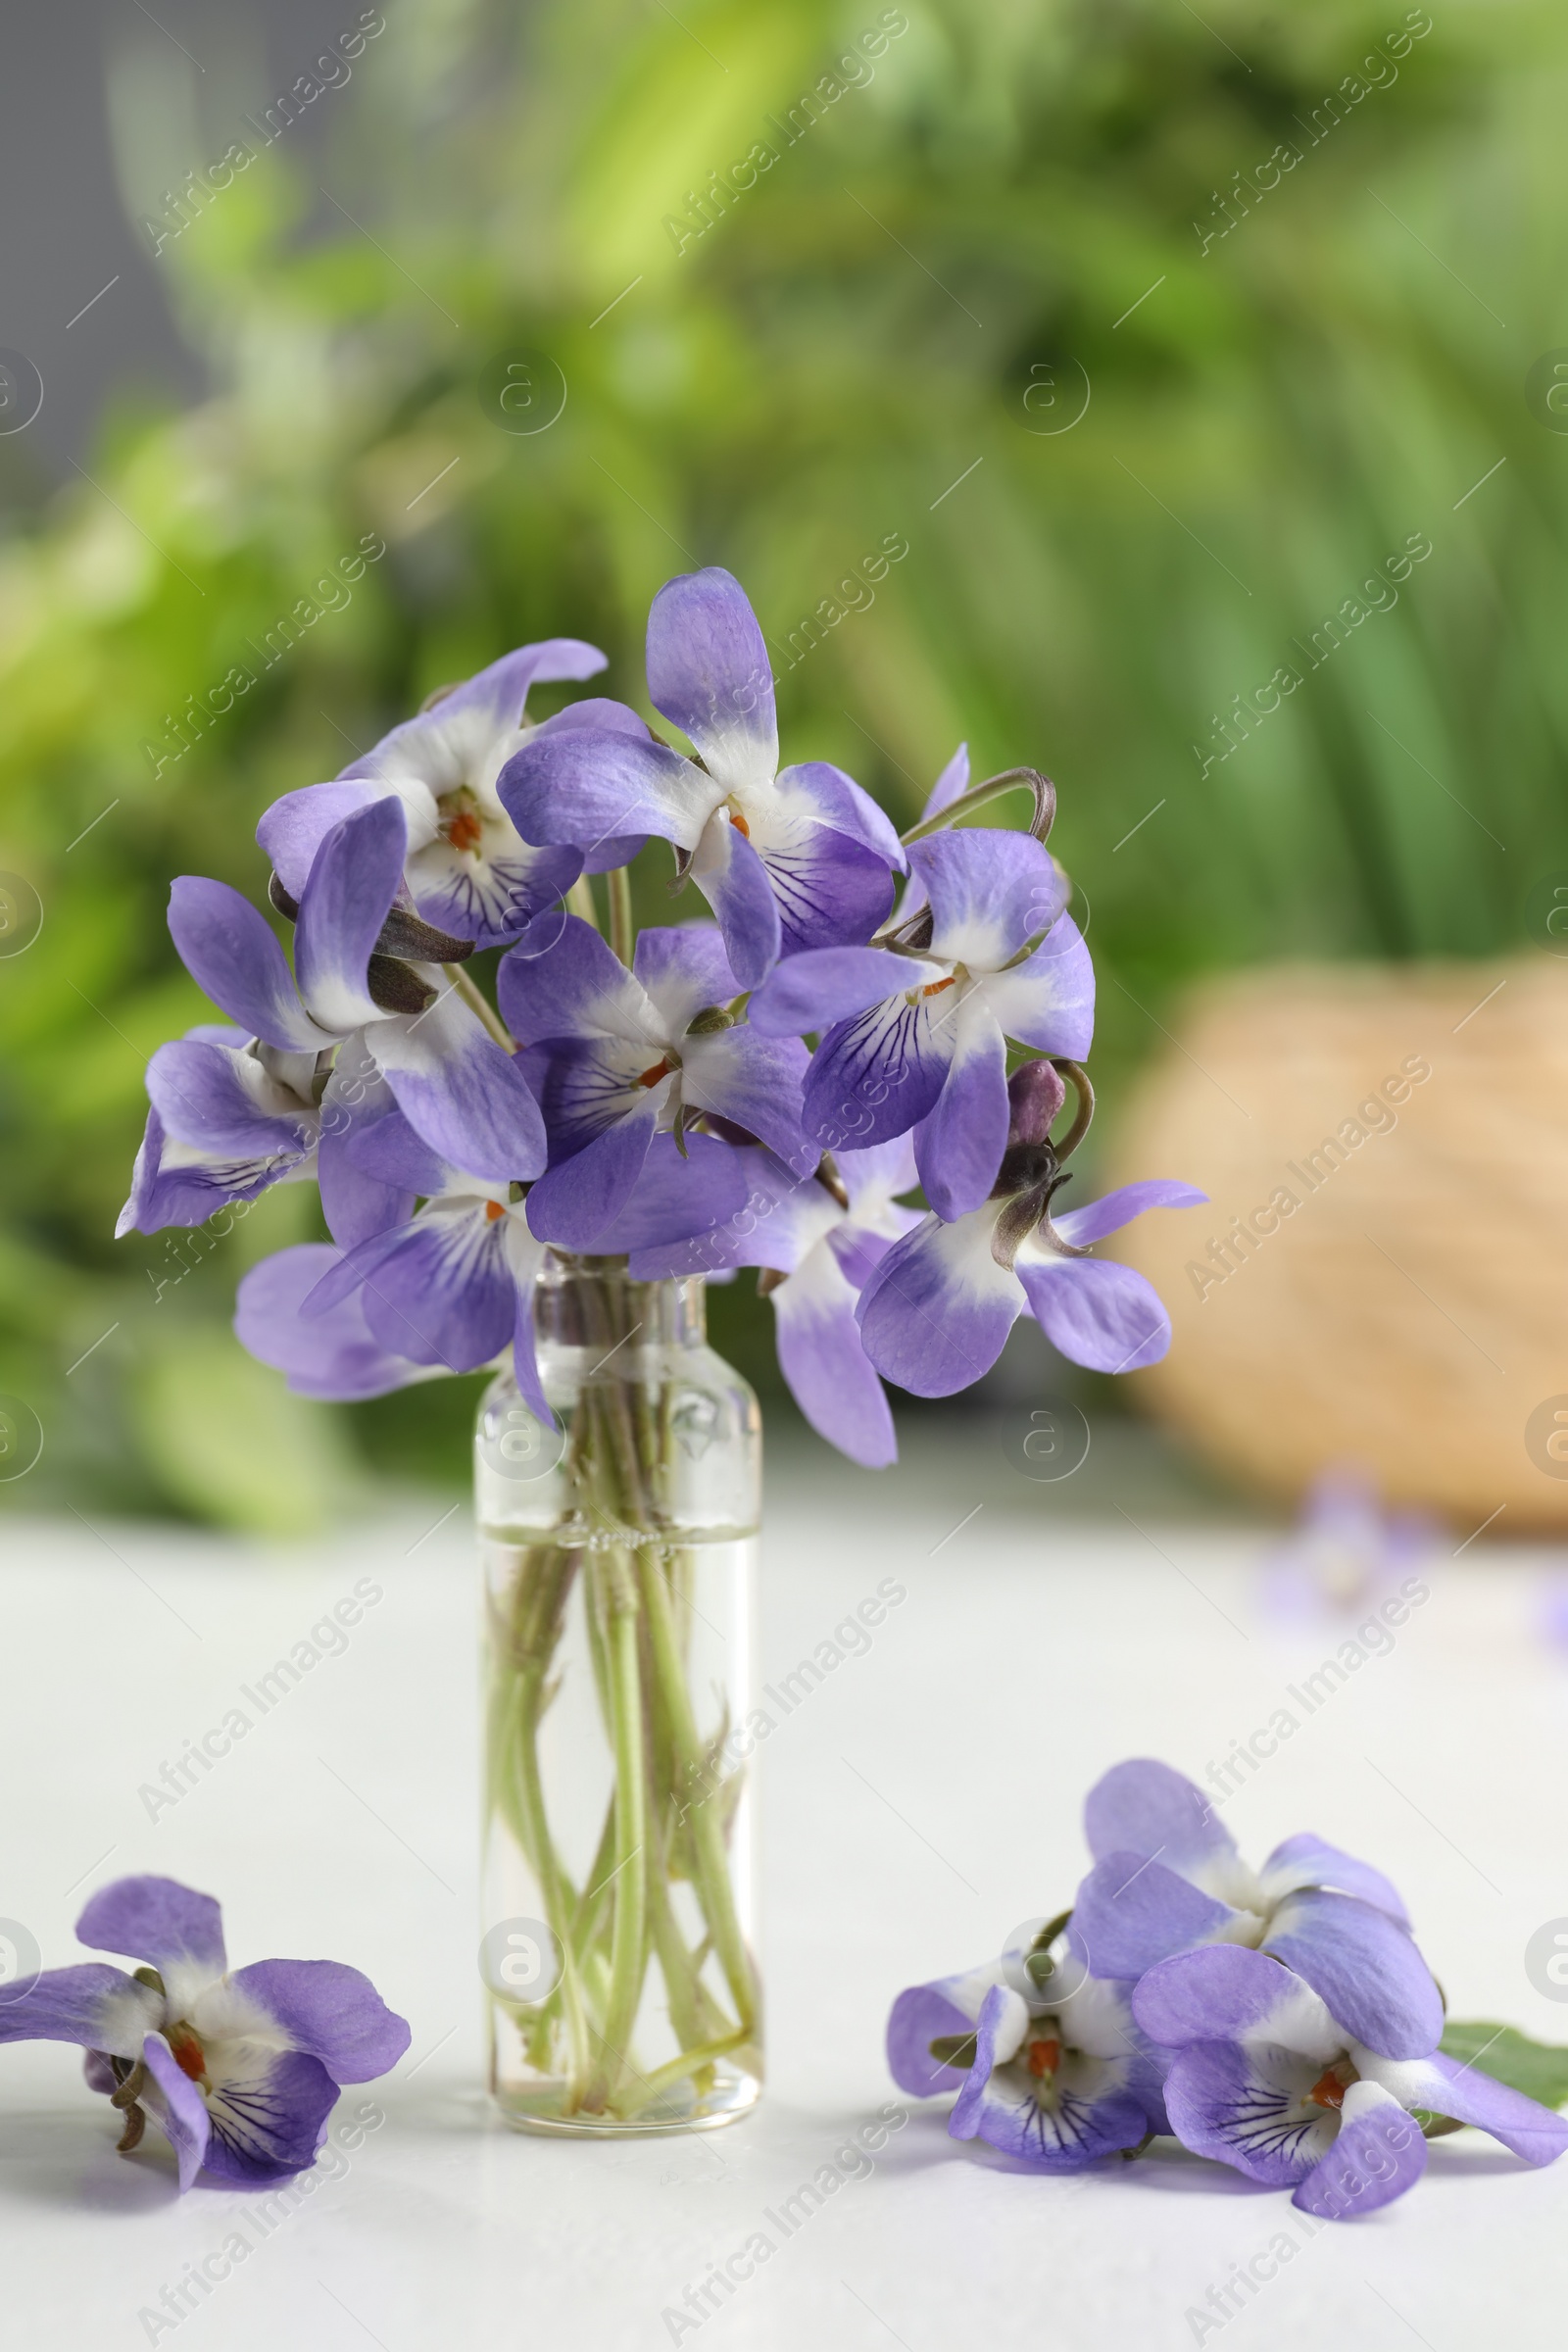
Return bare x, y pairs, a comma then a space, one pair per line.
1379, 2154
1098, 1313
822, 1356
991, 891
876, 1076
1366, 1968
331, 2011
822, 985
1230, 1992
97, 2006
1248, 2107
467, 1097
335, 1355
230, 950
937, 1311
177, 2107
1112, 1210
708, 673
352, 885
739, 888
1131, 1912
1444, 2087
1144, 1807
926, 2012
1048, 1001
157, 1921
1308, 1861
960, 1142
586, 787
267, 2112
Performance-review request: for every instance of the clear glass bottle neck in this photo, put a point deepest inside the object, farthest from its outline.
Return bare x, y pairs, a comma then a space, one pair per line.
593, 1302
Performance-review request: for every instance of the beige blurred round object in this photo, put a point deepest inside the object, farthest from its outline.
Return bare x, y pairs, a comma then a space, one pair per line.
1382, 1274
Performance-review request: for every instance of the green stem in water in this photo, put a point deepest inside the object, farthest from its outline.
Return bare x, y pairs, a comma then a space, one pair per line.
628, 1957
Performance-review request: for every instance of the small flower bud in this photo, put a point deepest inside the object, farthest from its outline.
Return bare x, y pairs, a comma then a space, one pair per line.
1036, 1093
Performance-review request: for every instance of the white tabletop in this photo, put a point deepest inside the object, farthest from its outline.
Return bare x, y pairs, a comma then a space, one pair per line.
917, 1808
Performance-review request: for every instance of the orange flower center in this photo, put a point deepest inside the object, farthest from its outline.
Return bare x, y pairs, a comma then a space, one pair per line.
189, 2056
1328, 2090
465, 830
494, 1210
1044, 2056
937, 986
740, 825
660, 1069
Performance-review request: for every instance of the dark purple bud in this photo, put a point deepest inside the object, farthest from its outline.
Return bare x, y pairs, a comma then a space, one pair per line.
1036, 1093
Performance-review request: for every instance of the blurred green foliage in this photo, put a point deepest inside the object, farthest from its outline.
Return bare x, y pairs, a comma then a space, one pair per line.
888, 336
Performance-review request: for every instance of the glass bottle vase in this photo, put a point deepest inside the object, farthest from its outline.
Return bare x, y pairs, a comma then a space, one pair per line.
619, 1554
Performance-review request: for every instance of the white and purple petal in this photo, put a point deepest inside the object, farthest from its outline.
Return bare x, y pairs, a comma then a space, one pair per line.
1366, 1968
991, 893
1250, 2106
96, 2006
938, 1309
230, 950
684, 969
822, 985
1048, 1001
1380, 2153
1144, 1807
170, 1926
1309, 1861
329, 2010
1444, 2086
586, 787
462, 1094
353, 882
926, 2012
267, 2111
960, 1142
708, 673
1131, 1912
739, 889
821, 1358
1098, 1313
754, 1082
177, 2107
875, 1076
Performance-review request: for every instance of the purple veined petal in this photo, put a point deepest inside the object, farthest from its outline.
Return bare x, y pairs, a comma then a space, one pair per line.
990, 889
1444, 2086
437, 1291
491, 898
676, 1201
1112, 1210
157, 1921
755, 1083
94, 2005
266, 2110
822, 985
1094, 2112
294, 828
587, 1085
587, 786
926, 2012
736, 884
462, 1095
1366, 1968
1309, 1861
876, 1076
335, 1357
859, 1253
775, 1219
580, 1195
178, 2108
332, 2012
178, 1184
960, 1142
228, 949
1228, 1992
817, 789
1132, 1912
225, 1102
1048, 1001
683, 967
830, 891
562, 979
710, 676
826, 1367
1379, 2154
1144, 1807
1250, 2107
1099, 1314
358, 1198
937, 1311
353, 883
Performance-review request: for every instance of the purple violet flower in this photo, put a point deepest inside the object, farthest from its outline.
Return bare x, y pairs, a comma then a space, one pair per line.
408, 1038
1346, 1555
1266, 2079
1055, 2075
914, 1032
619, 1057
935, 1313
787, 859
465, 869
1168, 1878
240, 2072
818, 1237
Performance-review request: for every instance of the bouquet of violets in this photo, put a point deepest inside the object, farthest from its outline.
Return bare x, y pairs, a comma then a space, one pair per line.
626, 1094
1279, 2020
524, 1178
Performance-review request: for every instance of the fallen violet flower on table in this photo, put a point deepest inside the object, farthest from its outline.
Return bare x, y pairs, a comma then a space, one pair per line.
239, 2071
1287, 2027
1266, 2079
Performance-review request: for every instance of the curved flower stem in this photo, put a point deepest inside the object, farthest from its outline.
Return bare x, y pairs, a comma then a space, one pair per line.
1078, 1078
623, 928
980, 794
